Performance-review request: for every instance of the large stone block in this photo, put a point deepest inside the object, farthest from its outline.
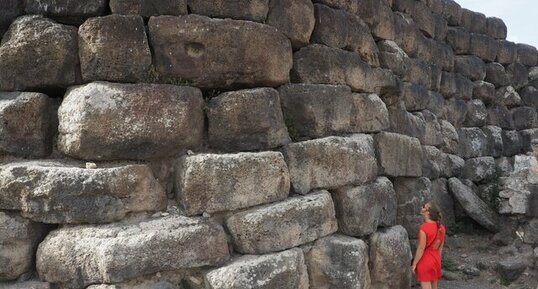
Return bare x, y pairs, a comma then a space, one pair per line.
499, 115
360, 210
470, 66
432, 159
398, 155
496, 74
436, 102
19, 238
512, 143
114, 48
283, 225
295, 19
338, 262
507, 96
479, 169
242, 9
450, 137
495, 141
84, 255
26, 124
496, 28
106, 121
435, 52
432, 132
456, 85
331, 162
406, 123
285, 269
414, 96
518, 75
390, 256
455, 111
315, 110
339, 29
452, 11
483, 46
484, 91
472, 142
412, 194
29, 285
476, 113
526, 54
221, 53
67, 11
212, 183
518, 191
9, 11
507, 52
369, 113
147, 8
23, 66
66, 193
444, 200
459, 39
249, 119
529, 96
524, 117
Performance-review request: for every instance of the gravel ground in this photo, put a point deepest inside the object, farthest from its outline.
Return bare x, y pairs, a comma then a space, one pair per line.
468, 285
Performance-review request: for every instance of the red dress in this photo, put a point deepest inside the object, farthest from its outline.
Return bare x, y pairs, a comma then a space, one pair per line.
429, 266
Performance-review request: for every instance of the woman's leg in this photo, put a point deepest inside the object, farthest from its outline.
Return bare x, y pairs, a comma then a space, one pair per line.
435, 284
426, 285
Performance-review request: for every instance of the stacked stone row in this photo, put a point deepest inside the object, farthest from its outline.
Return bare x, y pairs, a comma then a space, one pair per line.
294, 137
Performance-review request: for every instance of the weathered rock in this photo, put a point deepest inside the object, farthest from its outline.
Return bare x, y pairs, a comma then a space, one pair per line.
452, 165
390, 256
531, 232
518, 75
23, 67
496, 28
368, 113
295, 19
436, 102
26, 124
483, 46
507, 53
360, 210
510, 270
338, 262
435, 52
27, 285
215, 50
479, 169
391, 56
484, 91
114, 48
450, 137
420, 13
470, 66
505, 165
283, 225
496, 74
455, 111
533, 76
499, 115
472, 142
517, 195
512, 143
247, 119
529, 139
147, 8
459, 39
475, 22
494, 140
406, 123
529, 96
476, 113
431, 161
19, 238
415, 97
340, 29
65, 193
243, 9
79, 256
452, 11
507, 96
527, 54
212, 183
432, 134
524, 117
285, 269
457, 86
314, 110
412, 194
106, 121
67, 11
9, 11
331, 162
473, 205
398, 155
444, 200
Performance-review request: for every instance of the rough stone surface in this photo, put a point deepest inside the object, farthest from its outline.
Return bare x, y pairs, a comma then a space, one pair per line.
494, 140
511, 269
398, 155
295, 19
431, 161
64, 193
211, 183
472, 142
507, 52
518, 75
459, 39
9, 11
254, 10
456, 85
526, 54
25, 124
476, 113
80, 256
283, 225
19, 238
105, 121
147, 8
529, 96
369, 113
499, 115
215, 50
473, 205
479, 169
450, 137
406, 123
444, 200
432, 134
496, 28
67, 11
23, 67
338, 262
518, 187
114, 48
28, 285
512, 142
360, 210
415, 97
507, 96
470, 66
247, 119
286, 269
390, 256
331, 162
496, 74
315, 110
524, 117
455, 111
483, 46
412, 194
484, 91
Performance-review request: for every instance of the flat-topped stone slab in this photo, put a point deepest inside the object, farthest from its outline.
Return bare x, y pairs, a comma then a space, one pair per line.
147, 8
253, 10
67, 11
398, 155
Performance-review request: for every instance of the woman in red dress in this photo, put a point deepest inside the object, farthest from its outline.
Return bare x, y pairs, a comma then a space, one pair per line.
431, 238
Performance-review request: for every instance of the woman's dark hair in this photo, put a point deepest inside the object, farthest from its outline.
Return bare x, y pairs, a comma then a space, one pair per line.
435, 214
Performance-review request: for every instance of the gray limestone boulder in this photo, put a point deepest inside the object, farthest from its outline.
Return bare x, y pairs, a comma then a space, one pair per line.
472, 142
24, 67
524, 117
473, 205
499, 115
527, 54
459, 39
249, 119
84, 255
450, 142
216, 48
475, 22
432, 133
412, 194
484, 91
331, 162
67, 11
27, 285
476, 113
444, 200
529, 96
338, 262
283, 225
507, 96
148, 284
470, 66
511, 269
494, 140
253, 10
518, 75
512, 143
315, 110
496, 28
456, 85
212, 183
496, 74
369, 113
483, 46
360, 210
507, 52
114, 48
455, 111
432, 159
518, 188
107, 121
340, 29
148, 8
398, 155
406, 123
452, 11
415, 97
19, 238
9, 11
390, 256
26, 124
56, 192
285, 269
480, 169
295, 19
436, 102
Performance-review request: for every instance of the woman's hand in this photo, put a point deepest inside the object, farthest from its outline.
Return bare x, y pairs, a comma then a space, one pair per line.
413, 268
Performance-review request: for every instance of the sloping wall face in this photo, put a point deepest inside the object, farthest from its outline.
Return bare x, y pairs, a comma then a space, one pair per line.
253, 143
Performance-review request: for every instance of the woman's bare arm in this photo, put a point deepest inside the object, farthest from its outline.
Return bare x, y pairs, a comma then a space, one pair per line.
420, 249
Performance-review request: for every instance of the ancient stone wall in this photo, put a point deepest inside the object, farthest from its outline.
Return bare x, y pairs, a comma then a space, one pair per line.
253, 143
